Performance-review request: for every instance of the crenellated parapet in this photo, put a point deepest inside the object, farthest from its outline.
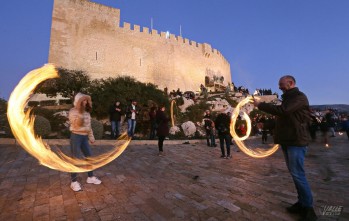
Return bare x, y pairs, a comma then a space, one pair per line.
206, 48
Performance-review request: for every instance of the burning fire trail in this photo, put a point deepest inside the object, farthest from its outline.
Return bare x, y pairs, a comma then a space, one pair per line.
22, 128
256, 153
172, 117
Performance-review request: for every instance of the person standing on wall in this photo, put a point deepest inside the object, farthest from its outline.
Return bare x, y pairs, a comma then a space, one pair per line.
292, 133
81, 134
132, 111
162, 129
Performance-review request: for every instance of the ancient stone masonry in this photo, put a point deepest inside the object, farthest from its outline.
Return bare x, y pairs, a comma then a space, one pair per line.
88, 36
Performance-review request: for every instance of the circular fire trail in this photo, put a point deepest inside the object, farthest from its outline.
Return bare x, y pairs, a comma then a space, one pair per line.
22, 124
256, 153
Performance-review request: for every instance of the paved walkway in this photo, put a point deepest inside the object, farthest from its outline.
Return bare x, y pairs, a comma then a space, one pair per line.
190, 183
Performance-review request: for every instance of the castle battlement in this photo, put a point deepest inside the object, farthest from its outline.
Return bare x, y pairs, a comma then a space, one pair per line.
172, 38
137, 28
88, 36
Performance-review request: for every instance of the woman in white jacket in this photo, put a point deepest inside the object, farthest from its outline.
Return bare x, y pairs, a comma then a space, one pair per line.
81, 134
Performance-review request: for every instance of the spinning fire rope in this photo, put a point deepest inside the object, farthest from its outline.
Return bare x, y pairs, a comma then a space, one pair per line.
22, 128
172, 117
258, 152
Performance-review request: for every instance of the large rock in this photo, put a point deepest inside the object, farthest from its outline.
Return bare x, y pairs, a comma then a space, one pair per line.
189, 128
187, 103
219, 105
174, 130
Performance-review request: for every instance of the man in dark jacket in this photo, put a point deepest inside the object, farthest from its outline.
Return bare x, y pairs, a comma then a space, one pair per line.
292, 133
222, 123
115, 113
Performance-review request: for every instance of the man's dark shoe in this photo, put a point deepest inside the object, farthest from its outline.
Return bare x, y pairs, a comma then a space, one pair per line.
295, 208
308, 214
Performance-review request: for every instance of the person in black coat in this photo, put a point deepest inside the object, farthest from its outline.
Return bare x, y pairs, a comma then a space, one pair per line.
222, 124
163, 129
153, 125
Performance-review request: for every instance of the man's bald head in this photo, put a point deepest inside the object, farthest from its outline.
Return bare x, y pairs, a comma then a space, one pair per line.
286, 83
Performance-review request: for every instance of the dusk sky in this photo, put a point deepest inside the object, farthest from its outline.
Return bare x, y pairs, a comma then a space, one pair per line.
261, 39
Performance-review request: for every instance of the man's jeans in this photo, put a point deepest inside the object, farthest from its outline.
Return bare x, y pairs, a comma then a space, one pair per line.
152, 134
115, 129
294, 157
78, 144
333, 133
131, 126
210, 138
224, 138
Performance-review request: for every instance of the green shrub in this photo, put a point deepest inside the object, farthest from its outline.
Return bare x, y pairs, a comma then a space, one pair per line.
57, 121
33, 103
195, 113
4, 124
179, 101
48, 103
42, 126
97, 128
104, 92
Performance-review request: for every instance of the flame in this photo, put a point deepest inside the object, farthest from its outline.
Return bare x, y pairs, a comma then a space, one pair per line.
340, 133
172, 117
22, 123
256, 153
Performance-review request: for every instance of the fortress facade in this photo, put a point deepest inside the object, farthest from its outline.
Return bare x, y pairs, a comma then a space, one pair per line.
87, 36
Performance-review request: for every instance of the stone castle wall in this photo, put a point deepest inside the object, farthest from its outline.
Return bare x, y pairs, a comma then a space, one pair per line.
88, 36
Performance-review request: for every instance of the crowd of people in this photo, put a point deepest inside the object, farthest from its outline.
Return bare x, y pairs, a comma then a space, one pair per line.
328, 123
263, 124
262, 92
243, 90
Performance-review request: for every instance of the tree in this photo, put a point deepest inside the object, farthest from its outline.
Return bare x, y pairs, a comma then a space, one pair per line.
68, 84
104, 92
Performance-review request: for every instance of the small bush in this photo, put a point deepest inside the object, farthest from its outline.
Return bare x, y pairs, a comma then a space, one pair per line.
195, 113
97, 128
57, 121
33, 103
61, 102
42, 126
48, 103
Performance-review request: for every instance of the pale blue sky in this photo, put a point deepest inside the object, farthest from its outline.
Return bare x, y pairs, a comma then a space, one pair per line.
262, 39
